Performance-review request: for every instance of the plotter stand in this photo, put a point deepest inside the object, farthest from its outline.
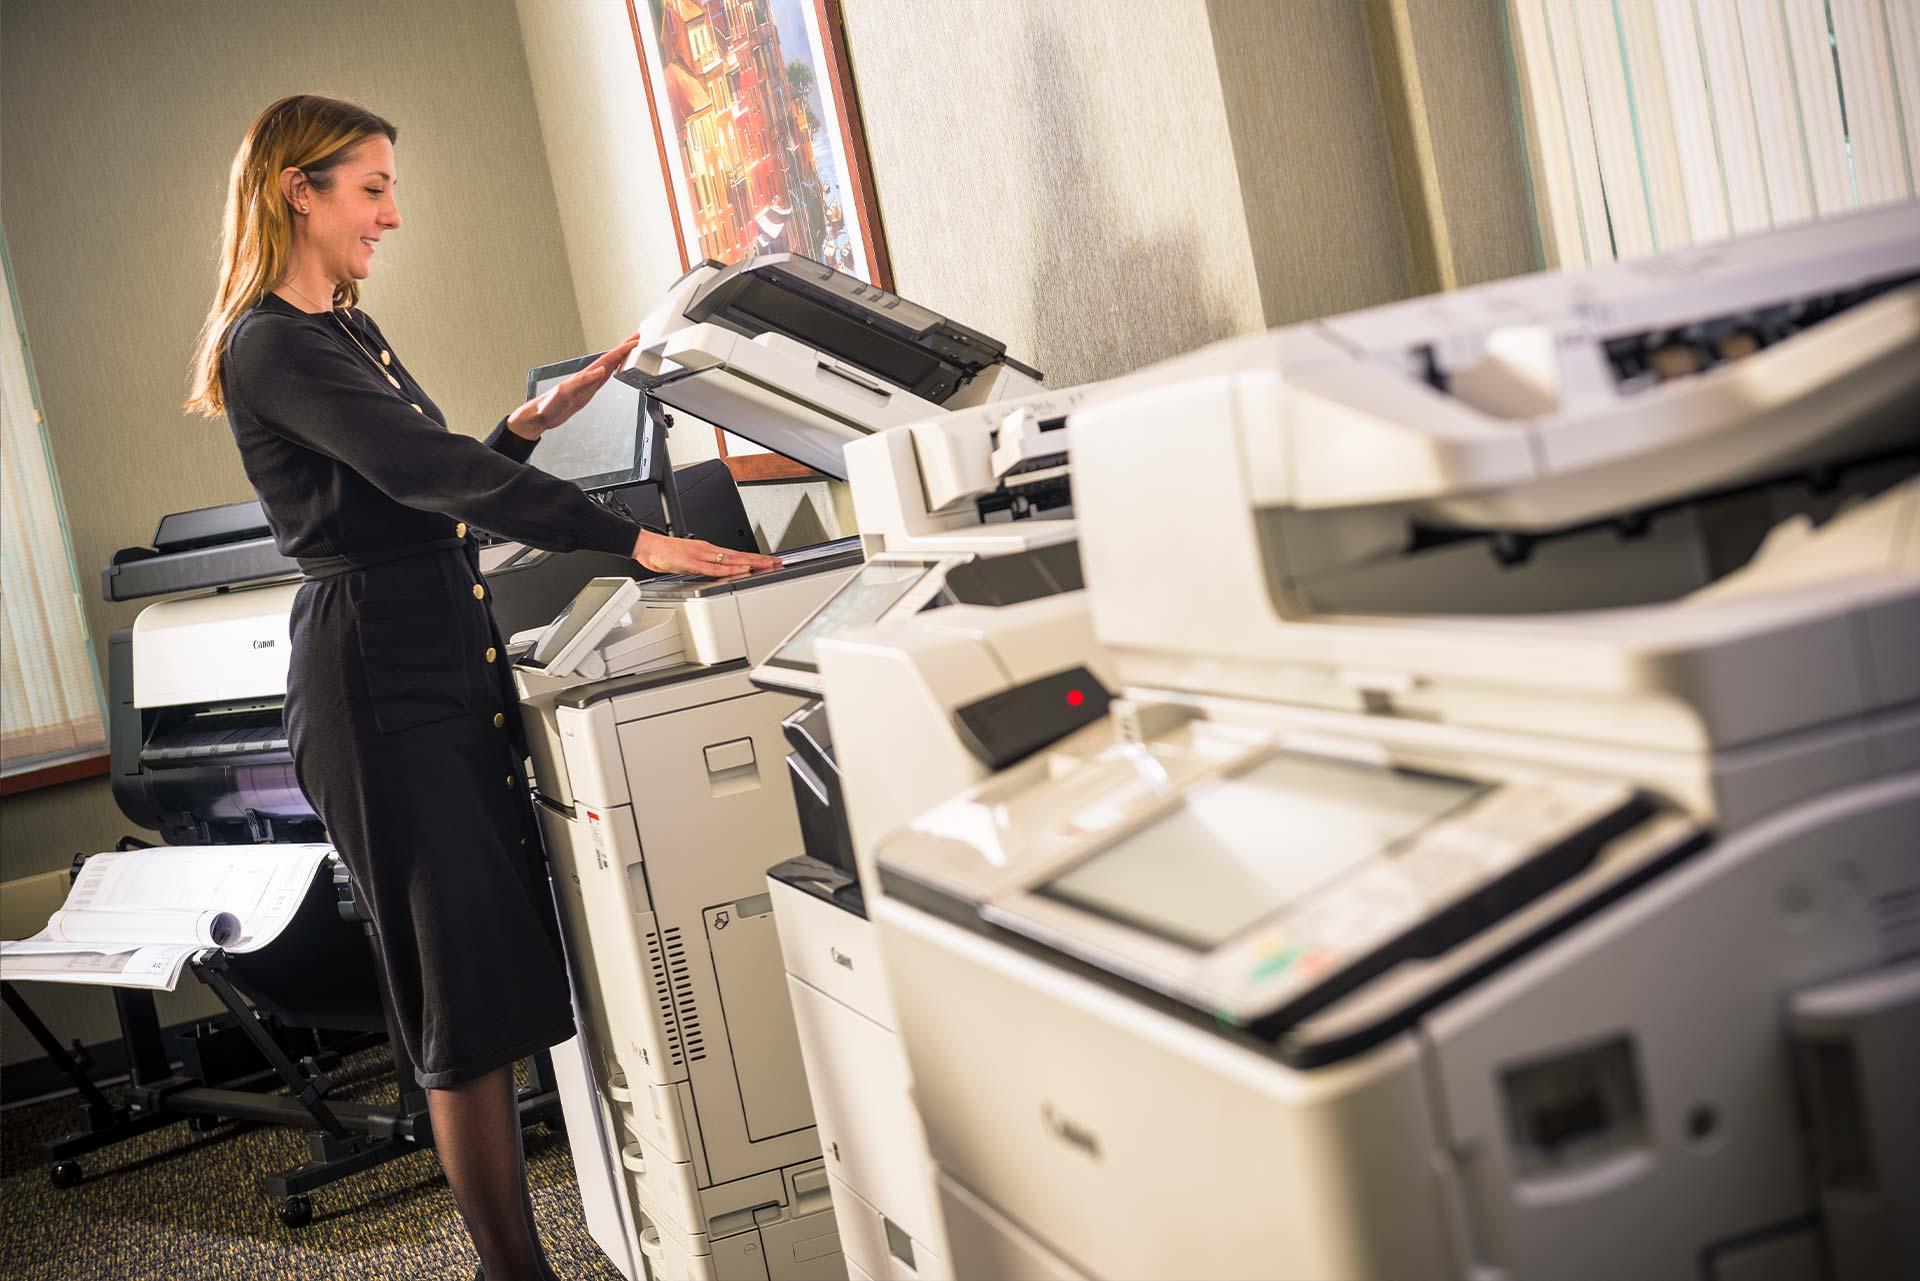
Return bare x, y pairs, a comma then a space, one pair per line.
287, 1026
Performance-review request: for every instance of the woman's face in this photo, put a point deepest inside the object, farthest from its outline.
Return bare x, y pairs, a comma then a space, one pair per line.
344, 225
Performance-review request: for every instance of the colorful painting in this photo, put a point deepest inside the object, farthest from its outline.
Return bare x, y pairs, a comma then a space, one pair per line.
757, 131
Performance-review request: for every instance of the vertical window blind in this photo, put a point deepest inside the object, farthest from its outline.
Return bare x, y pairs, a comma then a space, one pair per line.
1653, 124
49, 686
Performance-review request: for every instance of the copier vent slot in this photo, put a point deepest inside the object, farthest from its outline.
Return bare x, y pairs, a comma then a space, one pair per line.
1575, 1110
673, 990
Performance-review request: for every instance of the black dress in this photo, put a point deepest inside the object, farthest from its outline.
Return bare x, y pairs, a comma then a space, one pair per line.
400, 710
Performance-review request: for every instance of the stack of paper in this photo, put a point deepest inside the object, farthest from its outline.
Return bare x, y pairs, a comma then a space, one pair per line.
135, 919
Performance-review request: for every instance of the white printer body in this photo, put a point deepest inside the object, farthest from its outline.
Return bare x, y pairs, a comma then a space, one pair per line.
967, 524
664, 799
1500, 861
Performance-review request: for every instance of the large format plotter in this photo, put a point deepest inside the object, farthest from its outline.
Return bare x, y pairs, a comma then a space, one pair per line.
1500, 860
665, 798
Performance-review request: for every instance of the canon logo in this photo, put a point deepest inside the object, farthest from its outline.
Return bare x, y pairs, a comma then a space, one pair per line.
265, 644
1070, 1131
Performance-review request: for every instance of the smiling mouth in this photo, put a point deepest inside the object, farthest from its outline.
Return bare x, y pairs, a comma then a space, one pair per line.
371, 244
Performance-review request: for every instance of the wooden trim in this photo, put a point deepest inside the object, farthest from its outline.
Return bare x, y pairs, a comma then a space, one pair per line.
853, 136
659, 138
747, 468
51, 775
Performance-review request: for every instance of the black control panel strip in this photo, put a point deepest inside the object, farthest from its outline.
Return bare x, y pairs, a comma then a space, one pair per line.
1004, 729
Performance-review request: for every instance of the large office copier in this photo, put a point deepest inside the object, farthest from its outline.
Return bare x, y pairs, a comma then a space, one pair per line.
1500, 859
967, 523
659, 767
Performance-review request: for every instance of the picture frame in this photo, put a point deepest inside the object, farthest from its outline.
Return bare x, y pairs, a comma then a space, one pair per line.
757, 124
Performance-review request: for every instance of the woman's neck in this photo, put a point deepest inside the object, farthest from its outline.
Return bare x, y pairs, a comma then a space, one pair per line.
306, 287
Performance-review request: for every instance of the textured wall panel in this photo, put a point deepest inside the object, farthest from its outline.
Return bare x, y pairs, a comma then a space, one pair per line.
1059, 175
606, 168
1309, 137
1478, 155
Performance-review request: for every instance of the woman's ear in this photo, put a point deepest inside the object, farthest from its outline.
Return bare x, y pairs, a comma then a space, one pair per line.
294, 188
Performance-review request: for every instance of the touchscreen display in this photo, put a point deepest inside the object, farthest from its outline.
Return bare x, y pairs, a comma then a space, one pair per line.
602, 439
579, 612
869, 594
1241, 849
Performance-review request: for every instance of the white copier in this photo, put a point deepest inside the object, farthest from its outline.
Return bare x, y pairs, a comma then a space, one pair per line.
659, 771
1501, 858
966, 519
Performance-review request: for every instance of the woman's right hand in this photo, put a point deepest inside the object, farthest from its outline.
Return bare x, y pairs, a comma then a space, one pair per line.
666, 555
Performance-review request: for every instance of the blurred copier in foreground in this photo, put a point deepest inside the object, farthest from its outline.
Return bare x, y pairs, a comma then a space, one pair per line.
663, 790
1500, 858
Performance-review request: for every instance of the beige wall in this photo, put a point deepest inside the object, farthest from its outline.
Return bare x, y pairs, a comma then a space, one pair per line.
117, 123
1310, 138
1059, 175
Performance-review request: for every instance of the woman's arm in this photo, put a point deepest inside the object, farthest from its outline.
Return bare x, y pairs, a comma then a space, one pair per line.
305, 387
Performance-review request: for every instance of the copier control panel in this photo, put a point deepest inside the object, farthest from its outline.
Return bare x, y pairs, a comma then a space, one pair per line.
1273, 883
894, 585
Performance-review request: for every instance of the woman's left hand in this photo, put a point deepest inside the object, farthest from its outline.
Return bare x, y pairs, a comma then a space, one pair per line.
565, 399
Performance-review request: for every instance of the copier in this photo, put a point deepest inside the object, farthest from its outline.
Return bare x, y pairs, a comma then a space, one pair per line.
1498, 859
659, 770
966, 519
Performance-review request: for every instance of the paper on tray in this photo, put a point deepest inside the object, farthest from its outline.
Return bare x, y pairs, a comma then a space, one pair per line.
134, 918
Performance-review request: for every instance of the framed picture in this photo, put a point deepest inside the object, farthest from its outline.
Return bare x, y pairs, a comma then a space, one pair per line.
758, 129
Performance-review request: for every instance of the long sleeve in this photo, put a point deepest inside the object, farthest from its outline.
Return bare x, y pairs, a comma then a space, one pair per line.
306, 388
503, 440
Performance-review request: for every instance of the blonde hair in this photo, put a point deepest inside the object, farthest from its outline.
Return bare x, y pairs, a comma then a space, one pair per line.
306, 132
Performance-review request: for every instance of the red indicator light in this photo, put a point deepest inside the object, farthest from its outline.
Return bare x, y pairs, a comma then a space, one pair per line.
1075, 698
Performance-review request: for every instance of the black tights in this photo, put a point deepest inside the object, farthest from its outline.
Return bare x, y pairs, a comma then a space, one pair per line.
476, 1130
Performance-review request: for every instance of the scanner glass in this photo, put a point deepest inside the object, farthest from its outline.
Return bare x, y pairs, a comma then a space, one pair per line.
1239, 850
868, 595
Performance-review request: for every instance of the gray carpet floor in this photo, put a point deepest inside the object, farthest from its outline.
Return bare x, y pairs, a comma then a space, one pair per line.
183, 1206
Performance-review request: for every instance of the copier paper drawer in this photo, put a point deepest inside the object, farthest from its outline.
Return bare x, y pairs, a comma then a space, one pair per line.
869, 1129
833, 950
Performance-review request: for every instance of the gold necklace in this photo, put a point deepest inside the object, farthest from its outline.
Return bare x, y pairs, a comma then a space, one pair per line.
364, 352
385, 358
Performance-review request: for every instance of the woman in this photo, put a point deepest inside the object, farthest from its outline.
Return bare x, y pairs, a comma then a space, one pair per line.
400, 711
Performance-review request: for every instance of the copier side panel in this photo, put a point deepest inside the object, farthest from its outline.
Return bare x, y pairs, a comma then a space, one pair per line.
1061, 1103
1667, 1010
714, 812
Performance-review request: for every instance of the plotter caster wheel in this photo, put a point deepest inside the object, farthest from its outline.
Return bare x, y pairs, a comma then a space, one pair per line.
297, 1211
203, 1124
65, 1173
